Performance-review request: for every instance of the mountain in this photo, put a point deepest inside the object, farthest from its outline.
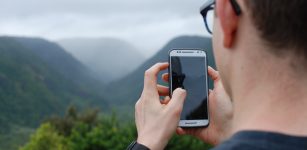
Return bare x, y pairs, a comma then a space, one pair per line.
126, 91
58, 59
109, 58
38, 79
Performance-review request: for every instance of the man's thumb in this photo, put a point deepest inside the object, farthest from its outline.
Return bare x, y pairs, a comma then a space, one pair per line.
178, 98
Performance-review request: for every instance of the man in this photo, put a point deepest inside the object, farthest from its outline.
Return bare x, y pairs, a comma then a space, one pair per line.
259, 100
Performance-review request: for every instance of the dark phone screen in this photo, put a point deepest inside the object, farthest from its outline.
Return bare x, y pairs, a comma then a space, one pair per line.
190, 73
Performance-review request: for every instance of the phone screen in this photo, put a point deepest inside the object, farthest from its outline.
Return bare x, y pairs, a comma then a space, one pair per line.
190, 73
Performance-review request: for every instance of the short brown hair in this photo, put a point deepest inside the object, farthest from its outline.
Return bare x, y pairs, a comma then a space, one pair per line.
282, 24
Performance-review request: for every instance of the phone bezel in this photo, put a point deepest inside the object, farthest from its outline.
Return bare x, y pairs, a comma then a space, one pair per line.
190, 53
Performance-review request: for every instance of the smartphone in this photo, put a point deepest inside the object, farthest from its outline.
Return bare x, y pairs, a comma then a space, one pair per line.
188, 70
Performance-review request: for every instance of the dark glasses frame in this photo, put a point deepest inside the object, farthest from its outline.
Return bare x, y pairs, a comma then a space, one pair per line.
209, 5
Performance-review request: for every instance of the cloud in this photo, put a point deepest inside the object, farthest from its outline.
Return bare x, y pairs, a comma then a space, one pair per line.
146, 23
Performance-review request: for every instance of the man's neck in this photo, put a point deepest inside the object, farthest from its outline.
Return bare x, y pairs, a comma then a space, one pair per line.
271, 99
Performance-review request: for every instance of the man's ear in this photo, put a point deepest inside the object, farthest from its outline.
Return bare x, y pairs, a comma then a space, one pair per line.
229, 21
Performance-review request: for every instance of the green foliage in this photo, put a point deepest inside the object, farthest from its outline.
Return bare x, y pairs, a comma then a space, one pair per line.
46, 138
72, 119
81, 131
87, 131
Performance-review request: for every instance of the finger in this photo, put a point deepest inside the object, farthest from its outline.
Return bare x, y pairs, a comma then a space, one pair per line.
163, 90
210, 94
166, 100
180, 131
150, 79
136, 113
211, 100
210, 91
165, 77
213, 73
194, 132
177, 100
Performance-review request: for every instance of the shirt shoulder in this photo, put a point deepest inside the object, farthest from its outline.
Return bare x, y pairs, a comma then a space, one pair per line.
237, 145
255, 140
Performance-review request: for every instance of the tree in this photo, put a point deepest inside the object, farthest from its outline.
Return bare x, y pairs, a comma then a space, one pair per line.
86, 131
45, 138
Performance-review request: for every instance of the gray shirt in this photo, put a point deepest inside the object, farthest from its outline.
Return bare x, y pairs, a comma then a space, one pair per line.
255, 140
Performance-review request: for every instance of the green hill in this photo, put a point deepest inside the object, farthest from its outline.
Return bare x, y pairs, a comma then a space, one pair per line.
58, 59
124, 93
39, 79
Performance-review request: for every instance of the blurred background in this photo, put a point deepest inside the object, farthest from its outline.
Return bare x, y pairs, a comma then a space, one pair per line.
72, 70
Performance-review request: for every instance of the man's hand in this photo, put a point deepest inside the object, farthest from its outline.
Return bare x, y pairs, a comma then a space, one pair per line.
156, 121
221, 112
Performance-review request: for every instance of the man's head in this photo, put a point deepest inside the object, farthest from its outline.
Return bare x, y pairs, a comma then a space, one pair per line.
264, 29
282, 24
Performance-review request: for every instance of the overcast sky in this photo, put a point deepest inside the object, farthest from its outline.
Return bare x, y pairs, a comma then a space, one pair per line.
148, 24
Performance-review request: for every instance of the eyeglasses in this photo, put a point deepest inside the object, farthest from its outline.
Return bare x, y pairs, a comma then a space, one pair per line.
207, 11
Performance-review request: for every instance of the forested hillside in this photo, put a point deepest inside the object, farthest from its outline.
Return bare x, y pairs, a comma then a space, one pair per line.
39, 79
